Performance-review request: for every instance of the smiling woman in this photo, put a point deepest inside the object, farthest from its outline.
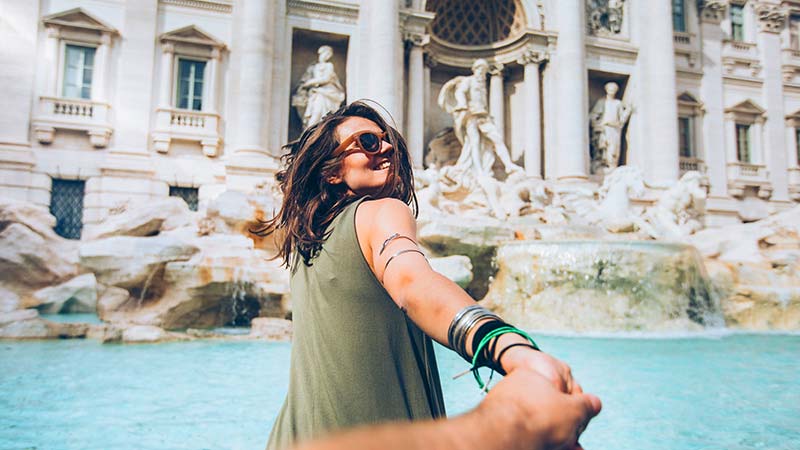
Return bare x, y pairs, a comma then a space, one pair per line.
366, 305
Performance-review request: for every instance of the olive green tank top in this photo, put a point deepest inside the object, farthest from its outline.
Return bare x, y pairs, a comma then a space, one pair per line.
356, 357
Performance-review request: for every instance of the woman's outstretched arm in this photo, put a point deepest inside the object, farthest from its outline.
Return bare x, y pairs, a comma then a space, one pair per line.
523, 411
430, 299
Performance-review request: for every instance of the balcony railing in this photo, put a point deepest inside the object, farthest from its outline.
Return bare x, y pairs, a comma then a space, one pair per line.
687, 164
794, 183
683, 39
198, 126
742, 175
55, 113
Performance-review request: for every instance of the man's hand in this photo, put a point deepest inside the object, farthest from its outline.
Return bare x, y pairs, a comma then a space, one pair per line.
534, 415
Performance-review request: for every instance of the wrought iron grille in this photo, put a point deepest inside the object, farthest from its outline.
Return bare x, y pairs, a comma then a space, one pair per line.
66, 204
188, 194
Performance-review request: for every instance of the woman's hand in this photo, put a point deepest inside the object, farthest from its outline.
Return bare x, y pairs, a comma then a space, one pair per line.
555, 371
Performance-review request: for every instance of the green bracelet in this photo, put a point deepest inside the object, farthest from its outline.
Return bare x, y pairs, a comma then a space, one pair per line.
493, 334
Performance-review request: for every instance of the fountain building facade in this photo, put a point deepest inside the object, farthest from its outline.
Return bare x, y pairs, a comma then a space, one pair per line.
145, 99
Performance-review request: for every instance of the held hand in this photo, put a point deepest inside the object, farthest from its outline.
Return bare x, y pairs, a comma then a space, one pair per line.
532, 415
552, 369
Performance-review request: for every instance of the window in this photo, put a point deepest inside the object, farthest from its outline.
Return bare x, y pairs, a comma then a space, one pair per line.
737, 22
188, 194
797, 144
66, 204
78, 67
686, 137
743, 153
794, 32
678, 15
190, 84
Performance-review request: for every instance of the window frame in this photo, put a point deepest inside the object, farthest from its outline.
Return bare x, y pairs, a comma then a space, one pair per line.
689, 138
62, 67
748, 141
683, 22
176, 80
734, 26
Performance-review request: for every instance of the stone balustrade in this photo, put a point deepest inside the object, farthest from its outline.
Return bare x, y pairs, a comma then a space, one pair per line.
687, 164
683, 39
747, 175
790, 64
794, 183
188, 125
740, 58
72, 114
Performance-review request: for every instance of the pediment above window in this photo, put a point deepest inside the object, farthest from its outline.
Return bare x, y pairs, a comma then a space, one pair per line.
688, 104
746, 107
79, 20
192, 35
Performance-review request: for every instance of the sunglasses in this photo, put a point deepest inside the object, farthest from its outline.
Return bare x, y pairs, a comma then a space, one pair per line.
369, 142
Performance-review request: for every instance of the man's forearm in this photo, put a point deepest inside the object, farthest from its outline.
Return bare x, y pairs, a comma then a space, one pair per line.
474, 430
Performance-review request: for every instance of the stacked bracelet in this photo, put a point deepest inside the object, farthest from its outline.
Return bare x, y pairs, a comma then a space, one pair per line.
462, 325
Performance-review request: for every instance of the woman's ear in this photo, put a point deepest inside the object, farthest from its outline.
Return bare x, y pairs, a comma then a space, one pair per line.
334, 178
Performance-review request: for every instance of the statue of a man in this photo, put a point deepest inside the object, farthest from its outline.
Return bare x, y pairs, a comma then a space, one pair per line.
319, 91
607, 118
466, 98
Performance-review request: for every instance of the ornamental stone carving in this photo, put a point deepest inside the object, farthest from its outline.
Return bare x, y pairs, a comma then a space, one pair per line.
712, 11
531, 56
771, 18
415, 38
604, 17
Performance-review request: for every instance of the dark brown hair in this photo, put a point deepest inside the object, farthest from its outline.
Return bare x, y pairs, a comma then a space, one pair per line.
310, 201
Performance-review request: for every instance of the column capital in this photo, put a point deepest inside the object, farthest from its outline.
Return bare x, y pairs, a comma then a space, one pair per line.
771, 18
105, 38
168, 47
531, 56
418, 39
496, 69
216, 53
712, 11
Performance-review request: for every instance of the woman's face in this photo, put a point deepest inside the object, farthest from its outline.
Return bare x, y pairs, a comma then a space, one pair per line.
361, 172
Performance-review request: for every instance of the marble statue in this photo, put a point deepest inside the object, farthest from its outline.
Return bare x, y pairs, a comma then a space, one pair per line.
612, 210
607, 118
466, 98
319, 91
679, 211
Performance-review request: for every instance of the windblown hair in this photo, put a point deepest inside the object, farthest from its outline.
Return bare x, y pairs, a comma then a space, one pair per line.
310, 201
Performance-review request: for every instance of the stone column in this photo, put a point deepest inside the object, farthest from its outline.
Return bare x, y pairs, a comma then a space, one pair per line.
659, 106
573, 105
379, 22
416, 97
714, 127
167, 61
18, 66
771, 20
135, 79
51, 53
530, 60
212, 67
252, 54
497, 97
100, 69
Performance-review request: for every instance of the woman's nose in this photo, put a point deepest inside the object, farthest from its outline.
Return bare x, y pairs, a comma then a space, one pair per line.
385, 146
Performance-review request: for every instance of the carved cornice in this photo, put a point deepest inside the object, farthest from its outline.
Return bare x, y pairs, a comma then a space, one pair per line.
210, 5
771, 18
496, 68
331, 11
712, 11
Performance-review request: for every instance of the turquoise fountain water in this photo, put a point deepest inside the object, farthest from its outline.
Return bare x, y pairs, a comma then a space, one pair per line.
712, 391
